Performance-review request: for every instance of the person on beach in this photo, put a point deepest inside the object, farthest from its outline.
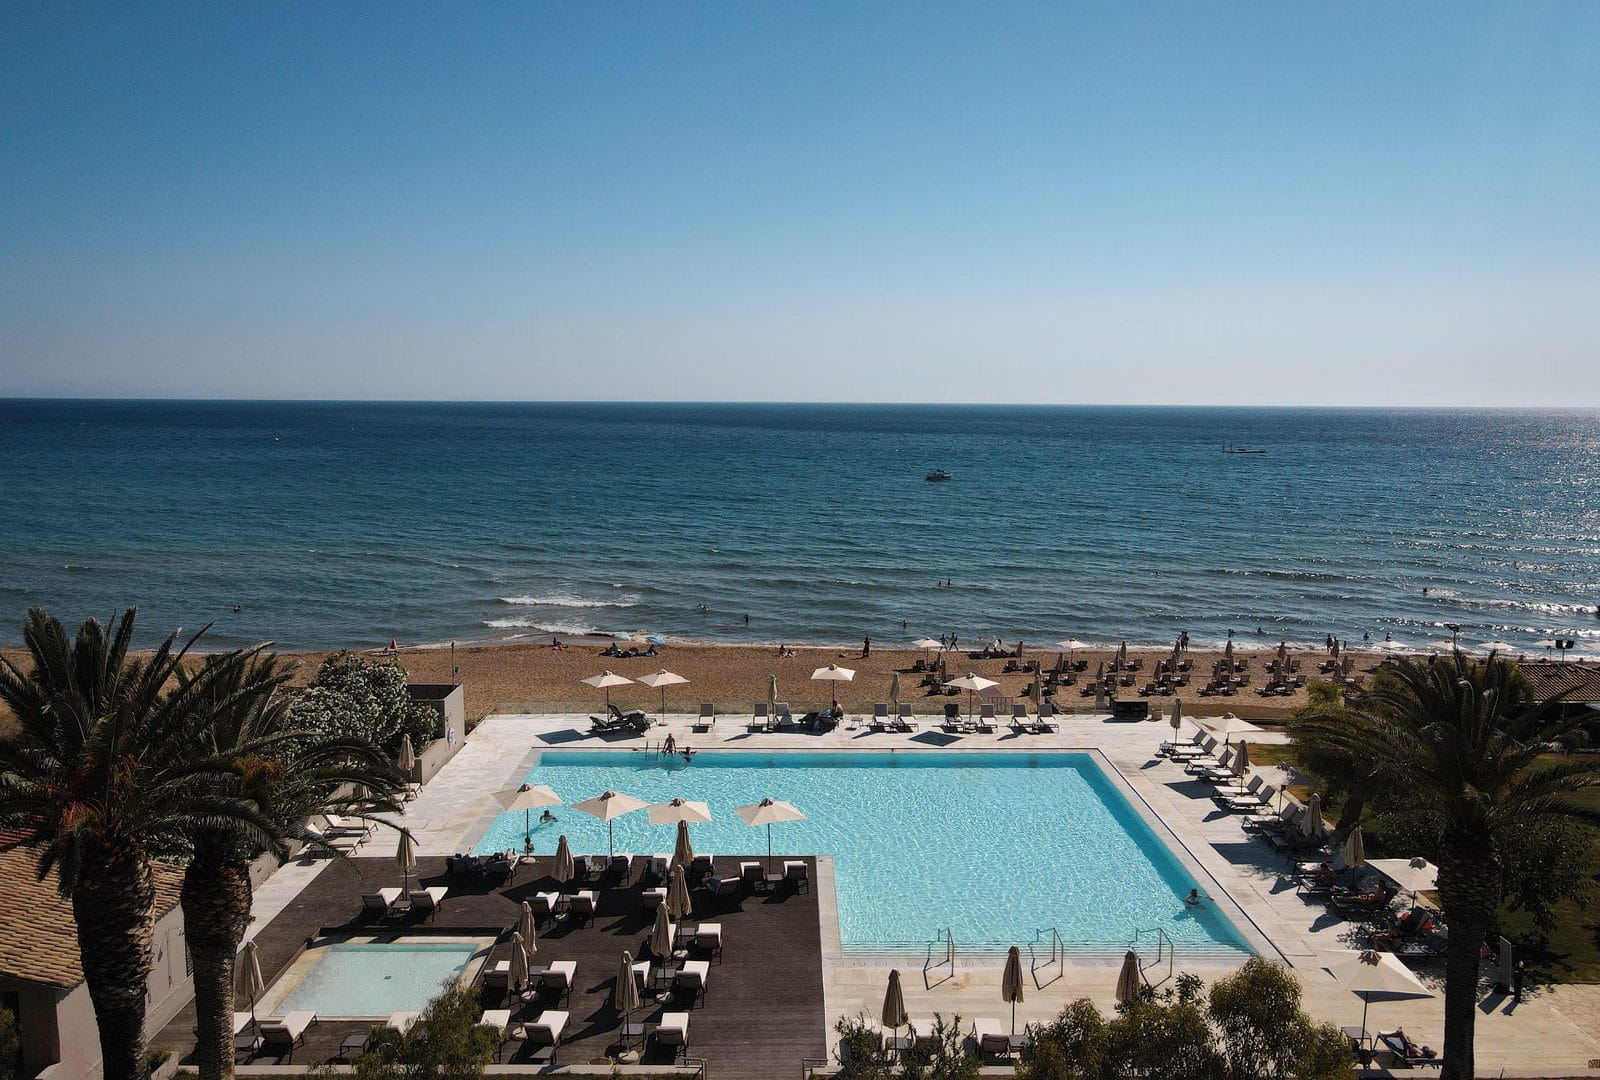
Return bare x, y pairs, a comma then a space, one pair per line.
866, 647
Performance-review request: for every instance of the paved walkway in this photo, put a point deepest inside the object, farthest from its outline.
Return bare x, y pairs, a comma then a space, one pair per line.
1551, 1034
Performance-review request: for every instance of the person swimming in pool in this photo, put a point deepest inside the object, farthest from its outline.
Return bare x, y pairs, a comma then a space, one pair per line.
1194, 899
546, 817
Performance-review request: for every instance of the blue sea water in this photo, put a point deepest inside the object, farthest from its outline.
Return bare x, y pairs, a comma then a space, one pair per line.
340, 523
992, 847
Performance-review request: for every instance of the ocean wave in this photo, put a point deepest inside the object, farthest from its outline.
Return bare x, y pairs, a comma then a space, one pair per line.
574, 629
570, 600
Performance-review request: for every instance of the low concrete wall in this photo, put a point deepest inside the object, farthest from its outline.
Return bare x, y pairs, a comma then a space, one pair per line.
449, 701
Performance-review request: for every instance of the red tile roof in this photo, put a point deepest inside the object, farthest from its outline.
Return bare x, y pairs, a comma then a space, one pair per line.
38, 939
1581, 682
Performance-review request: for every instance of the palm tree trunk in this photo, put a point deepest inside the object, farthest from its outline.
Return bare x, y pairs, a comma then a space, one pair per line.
216, 909
113, 902
1470, 883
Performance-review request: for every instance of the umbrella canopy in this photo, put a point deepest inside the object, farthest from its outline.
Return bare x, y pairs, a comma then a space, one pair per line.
1497, 646
247, 978
625, 996
1312, 824
1355, 849
683, 850
1011, 984
1413, 875
834, 673
1241, 759
661, 933
772, 696
894, 1002
405, 857
1129, 980
765, 813
406, 760
525, 927
562, 871
1228, 725
608, 806
1073, 645
660, 680
894, 690
1368, 972
605, 681
1036, 692
927, 643
527, 798
519, 962
679, 811
678, 894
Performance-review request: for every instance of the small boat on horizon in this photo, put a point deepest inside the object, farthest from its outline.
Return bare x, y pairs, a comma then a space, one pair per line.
1241, 450
938, 474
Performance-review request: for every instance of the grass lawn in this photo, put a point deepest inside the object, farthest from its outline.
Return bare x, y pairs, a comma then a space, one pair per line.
1571, 954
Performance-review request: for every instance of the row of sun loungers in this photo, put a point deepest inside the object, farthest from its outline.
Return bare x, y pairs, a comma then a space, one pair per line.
394, 903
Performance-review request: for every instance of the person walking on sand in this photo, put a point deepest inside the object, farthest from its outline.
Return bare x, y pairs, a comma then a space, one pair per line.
866, 647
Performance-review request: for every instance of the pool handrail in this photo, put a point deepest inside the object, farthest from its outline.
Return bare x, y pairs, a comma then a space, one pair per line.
1164, 949
948, 937
1058, 955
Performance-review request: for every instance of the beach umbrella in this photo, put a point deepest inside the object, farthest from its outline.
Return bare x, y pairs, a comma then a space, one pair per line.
765, 813
1311, 824
519, 961
894, 690
605, 681
894, 1003
608, 806
683, 850
772, 696
625, 997
563, 869
527, 798
927, 644
1227, 656
1122, 655
1228, 725
678, 894
1337, 648
1367, 972
971, 682
1177, 716
526, 928
655, 639
1497, 647
1072, 645
1011, 984
833, 673
1241, 759
678, 812
1036, 691
405, 857
1129, 980
406, 760
660, 680
1355, 849
1414, 875
247, 978
661, 933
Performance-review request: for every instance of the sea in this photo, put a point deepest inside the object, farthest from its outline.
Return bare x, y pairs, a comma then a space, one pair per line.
353, 524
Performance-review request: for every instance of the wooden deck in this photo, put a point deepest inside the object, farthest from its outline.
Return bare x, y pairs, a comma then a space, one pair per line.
762, 1011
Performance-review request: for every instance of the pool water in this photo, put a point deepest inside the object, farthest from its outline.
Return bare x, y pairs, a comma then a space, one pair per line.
992, 847
371, 978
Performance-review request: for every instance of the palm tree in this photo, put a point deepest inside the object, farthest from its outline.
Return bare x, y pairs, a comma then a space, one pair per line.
100, 780
1457, 745
239, 714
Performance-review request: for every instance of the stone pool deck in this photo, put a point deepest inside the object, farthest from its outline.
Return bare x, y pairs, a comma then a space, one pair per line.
1551, 1033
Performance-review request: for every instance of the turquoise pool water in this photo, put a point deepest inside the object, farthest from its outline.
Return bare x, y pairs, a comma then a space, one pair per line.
369, 978
991, 846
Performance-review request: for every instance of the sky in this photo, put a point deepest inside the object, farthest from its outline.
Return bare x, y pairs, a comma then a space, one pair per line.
1209, 203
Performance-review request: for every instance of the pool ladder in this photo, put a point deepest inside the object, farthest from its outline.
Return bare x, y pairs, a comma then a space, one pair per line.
947, 938
1056, 959
1164, 951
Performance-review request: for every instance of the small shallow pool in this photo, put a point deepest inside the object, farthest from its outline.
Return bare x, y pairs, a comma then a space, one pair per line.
365, 978
991, 846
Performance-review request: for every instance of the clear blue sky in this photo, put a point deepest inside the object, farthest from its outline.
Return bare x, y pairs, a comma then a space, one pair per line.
1246, 202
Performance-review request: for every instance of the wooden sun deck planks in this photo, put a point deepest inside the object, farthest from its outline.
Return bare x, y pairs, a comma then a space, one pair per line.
762, 1013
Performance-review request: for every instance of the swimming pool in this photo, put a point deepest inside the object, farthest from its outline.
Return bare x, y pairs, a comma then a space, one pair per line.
992, 846
365, 978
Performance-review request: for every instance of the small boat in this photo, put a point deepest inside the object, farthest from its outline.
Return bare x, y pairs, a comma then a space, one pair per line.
1241, 450
938, 474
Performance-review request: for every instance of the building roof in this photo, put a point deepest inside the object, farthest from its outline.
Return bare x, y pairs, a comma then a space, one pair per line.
1578, 683
38, 939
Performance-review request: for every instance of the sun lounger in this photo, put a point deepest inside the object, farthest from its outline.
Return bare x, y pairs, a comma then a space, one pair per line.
546, 1031
585, 904
708, 936
985, 721
880, 715
338, 844
425, 902
400, 1022
654, 898
708, 716
342, 826
1045, 720
544, 903
720, 886
758, 717
673, 1033
797, 875
1398, 1045
692, 978
782, 716
242, 1020
280, 1037
704, 864
991, 1038
559, 977
953, 721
